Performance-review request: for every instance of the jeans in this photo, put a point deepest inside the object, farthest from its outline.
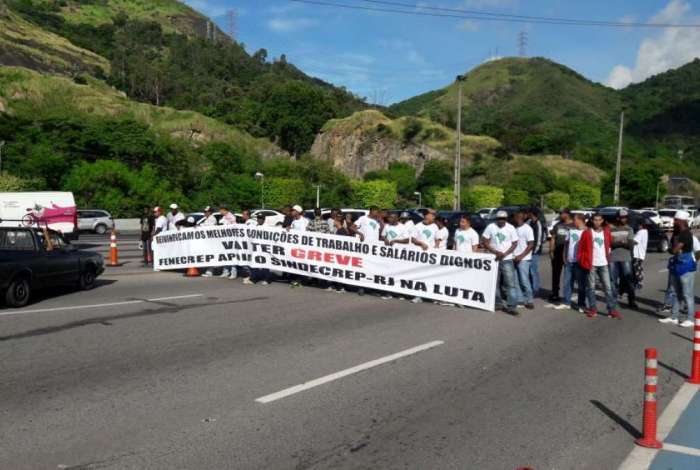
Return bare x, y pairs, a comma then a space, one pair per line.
603, 274
523, 268
573, 273
535, 274
507, 277
670, 296
684, 289
258, 275
146, 250
557, 265
621, 274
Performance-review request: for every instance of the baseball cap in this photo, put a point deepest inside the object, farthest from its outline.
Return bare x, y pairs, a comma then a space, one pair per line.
297, 208
622, 213
173, 206
682, 215
501, 215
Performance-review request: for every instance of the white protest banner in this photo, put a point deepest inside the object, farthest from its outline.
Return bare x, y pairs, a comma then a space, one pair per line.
461, 278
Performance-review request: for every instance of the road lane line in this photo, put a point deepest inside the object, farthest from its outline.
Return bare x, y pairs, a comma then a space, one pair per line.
682, 449
112, 304
344, 373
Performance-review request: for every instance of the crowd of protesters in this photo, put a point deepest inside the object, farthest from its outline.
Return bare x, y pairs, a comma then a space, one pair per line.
587, 254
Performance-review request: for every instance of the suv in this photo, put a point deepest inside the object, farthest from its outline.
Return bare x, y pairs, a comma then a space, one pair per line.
26, 264
95, 220
658, 240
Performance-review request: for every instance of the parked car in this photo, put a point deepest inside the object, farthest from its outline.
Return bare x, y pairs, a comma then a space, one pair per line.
650, 213
413, 215
95, 220
56, 210
487, 213
326, 213
273, 218
658, 240
27, 265
667, 216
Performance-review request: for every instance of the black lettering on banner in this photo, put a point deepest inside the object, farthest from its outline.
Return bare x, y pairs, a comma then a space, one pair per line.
260, 259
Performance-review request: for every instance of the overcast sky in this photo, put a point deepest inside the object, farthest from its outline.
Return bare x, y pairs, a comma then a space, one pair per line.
388, 57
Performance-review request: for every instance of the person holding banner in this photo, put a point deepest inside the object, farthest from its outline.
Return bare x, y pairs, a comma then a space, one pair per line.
424, 234
395, 232
522, 257
443, 233
369, 227
227, 218
501, 239
261, 277
466, 238
299, 223
207, 221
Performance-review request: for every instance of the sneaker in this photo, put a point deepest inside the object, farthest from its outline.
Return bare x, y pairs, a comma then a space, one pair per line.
591, 313
687, 324
520, 306
529, 306
247, 281
294, 284
665, 309
207, 273
512, 311
386, 297
417, 300
361, 291
562, 306
669, 320
224, 273
615, 315
329, 289
234, 275
340, 291
264, 283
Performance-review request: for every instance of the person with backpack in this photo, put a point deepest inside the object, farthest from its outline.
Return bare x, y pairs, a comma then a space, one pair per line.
681, 268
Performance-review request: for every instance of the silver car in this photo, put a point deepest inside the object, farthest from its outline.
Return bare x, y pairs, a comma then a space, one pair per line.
95, 220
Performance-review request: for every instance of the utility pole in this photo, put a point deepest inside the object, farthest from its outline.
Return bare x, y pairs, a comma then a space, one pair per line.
458, 154
318, 196
522, 43
616, 196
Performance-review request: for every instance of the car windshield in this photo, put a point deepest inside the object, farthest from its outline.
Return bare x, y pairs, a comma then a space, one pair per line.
667, 213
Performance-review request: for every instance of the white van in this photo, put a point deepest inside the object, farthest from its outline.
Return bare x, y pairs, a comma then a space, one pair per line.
55, 209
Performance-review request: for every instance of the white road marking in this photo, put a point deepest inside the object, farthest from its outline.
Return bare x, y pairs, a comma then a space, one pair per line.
682, 449
112, 304
344, 373
641, 457
665, 270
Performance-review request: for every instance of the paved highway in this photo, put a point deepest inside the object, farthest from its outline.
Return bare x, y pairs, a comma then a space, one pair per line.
159, 371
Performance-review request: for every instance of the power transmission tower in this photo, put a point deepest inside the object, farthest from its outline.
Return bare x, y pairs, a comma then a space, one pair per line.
522, 43
231, 23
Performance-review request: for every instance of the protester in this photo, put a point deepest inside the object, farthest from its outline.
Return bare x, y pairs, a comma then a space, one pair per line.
405, 219
395, 232
501, 239
621, 258
573, 273
287, 211
161, 222
522, 255
423, 235
594, 257
299, 223
331, 220
556, 251
369, 226
147, 223
639, 254
342, 231
466, 238
318, 225
443, 234
681, 268
209, 218
538, 231
246, 270
227, 218
175, 217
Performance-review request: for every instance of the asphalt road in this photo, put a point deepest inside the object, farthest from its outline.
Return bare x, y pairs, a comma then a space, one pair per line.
164, 374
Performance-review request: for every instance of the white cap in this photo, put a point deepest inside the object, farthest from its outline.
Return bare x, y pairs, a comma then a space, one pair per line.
190, 220
173, 206
682, 215
298, 208
501, 215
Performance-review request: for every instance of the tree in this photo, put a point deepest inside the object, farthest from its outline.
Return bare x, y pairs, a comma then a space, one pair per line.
378, 193
556, 200
442, 198
583, 195
11, 183
280, 192
637, 185
483, 196
403, 174
105, 184
516, 197
435, 173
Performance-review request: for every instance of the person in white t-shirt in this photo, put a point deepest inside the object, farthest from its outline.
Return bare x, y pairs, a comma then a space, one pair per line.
522, 257
405, 219
209, 219
395, 232
466, 238
443, 234
227, 218
175, 217
696, 248
639, 254
161, 223
594, 256
501, 239
572, 271
246, 270
423, 235
299, 222
369, 227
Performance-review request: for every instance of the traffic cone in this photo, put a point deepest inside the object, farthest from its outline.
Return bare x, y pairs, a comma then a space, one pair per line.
192, 272
695, 371
648, 438
113, 250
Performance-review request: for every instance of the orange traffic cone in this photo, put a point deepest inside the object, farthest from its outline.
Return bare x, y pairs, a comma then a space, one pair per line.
113, 250
192, 272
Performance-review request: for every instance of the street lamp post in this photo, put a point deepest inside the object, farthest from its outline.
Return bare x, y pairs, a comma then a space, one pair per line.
420, 198
458, 153
318, 196
261, 178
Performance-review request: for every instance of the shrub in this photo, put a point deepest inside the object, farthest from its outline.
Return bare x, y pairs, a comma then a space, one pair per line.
557, 200
483, 196
380, 193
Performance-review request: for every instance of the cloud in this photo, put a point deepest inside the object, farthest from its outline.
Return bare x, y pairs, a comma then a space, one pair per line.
468, 25
290, 25
207, 7
669, 49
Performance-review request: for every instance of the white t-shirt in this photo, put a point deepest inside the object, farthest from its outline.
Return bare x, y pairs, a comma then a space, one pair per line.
395, 232
599, 256
211, 220
501, 238
441, 237
640, 249
409, 225
573, 236
228, 219
331, 225
368, 227
251, 222
300, 224
465, 240
696, 244
173, 219
161, 223
525, 236
425, 233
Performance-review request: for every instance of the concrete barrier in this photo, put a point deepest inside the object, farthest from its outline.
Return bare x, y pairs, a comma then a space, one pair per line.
127, 225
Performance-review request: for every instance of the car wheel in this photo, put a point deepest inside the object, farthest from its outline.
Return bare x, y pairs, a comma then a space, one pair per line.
101, 229
663, 246
87, 278
18, 293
